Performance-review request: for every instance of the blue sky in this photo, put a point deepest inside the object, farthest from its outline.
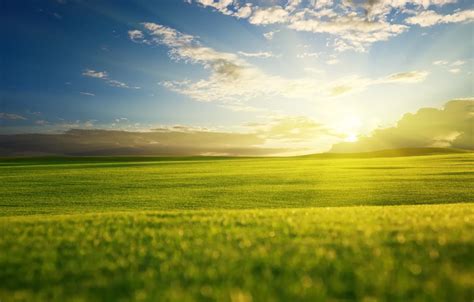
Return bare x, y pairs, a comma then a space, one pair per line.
234, 66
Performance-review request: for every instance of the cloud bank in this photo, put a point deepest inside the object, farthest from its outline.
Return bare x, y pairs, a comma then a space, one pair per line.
159, 142
451, 127
277, 136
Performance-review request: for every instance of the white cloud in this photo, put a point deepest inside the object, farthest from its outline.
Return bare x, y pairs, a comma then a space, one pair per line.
450, 126
430, 18
269, 35
452, 67
348, 85
219, 5
115, 83
333, 61
244, 12
249, 83
312, 70
168, 36
354, 84
406, 77
135, 35
232, 80
270, 15
103, 75
440, 62
307, 55
260, 54
292, 5
87, 93
353, 25
458, 63
95, 74
241, 108
378, 8
321, 3
353, 32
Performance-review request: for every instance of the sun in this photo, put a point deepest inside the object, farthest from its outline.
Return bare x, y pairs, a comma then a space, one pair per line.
349, 127
351, 137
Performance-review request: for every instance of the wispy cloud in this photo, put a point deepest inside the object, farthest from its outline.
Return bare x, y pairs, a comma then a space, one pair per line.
354, 84
333, 61
41, 122
440, 62
353, 32
269, 35
454, 67
458, 63
241, 108
454, 70
95, 74
234, 80
307, 55
406, 77
11, 116
430, 18
87, 93
103, 75
135, 35
261, 54
354, 25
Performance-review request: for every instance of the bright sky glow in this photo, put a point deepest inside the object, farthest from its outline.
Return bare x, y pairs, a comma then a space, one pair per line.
300, 73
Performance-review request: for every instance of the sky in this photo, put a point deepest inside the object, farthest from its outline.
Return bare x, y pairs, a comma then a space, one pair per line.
234, 77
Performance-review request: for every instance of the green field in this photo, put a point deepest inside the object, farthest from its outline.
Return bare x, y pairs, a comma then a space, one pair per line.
313, 228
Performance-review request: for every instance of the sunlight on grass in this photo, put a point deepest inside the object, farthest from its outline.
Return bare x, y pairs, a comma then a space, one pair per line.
315, 254
268, 229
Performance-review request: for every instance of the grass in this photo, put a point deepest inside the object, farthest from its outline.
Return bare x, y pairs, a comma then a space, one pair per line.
268, 229
71, 185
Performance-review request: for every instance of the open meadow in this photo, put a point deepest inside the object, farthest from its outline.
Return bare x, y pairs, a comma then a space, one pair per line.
237, 151
311, 228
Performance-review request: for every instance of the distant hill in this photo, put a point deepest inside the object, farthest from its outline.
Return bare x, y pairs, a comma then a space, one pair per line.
391, 153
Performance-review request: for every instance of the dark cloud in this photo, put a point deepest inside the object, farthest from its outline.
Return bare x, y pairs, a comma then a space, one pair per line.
452, 126
277, 136
162, 142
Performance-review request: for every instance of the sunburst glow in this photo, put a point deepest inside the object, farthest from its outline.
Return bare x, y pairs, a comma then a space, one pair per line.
236, 77
236, 150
